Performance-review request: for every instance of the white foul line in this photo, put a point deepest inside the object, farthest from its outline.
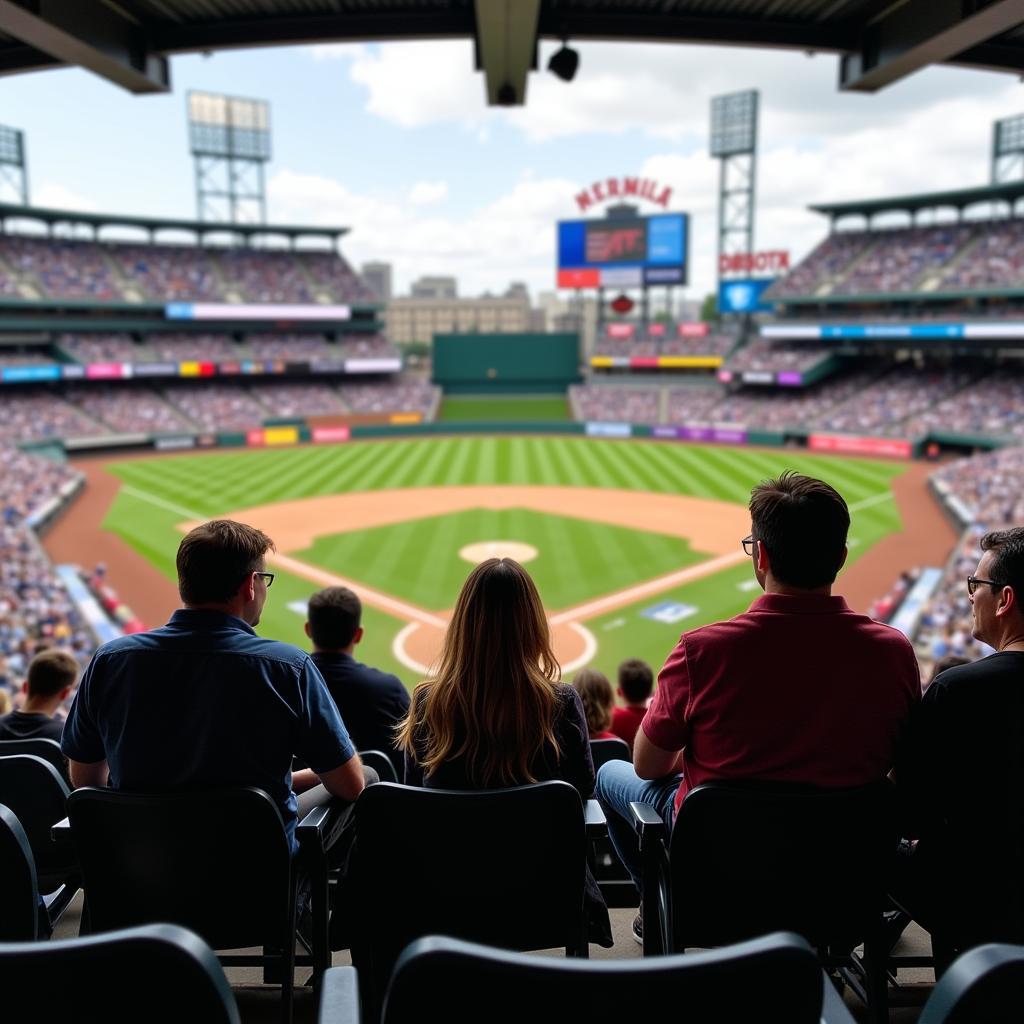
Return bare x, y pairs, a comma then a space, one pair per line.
162, 503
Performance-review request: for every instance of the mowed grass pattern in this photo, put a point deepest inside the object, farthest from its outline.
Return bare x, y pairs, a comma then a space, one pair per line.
604, 558
161, 492
513, 408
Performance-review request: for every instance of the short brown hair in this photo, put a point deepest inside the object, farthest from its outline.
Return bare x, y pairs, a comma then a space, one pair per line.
803, 523
51, 671
636, 680
1007, 547
598, 700
334, 615
214, 558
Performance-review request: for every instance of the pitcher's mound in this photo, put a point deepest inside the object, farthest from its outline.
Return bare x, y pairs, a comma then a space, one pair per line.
480, 552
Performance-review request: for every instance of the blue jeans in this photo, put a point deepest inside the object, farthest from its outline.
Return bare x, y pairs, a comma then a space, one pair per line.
617, 787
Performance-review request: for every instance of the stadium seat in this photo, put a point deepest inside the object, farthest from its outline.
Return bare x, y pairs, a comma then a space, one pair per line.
747, 858
602, 751
160, 974
34, 790
380, 763
770, 978
502, 866
984, 986
217, 862
19, 893
610, 874
48, 750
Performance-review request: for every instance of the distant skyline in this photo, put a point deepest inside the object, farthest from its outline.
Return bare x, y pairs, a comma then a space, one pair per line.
395, 142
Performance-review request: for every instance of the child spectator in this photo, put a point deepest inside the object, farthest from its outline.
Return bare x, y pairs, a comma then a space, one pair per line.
598, 702
636, 684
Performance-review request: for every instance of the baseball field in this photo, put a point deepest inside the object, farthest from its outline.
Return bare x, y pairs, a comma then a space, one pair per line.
630, 542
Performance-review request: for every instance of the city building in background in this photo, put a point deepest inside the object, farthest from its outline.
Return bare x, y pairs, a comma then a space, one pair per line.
434, 288
378, 277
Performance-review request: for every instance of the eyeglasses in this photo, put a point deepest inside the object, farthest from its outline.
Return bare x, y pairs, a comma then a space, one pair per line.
973, 581
748, 545
268, 578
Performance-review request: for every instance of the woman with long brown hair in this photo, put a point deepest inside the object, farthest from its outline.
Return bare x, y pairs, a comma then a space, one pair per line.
493, 713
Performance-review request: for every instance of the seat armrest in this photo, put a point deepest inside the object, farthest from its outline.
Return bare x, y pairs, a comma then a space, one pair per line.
61, 832
647, 822
833, 1009
339, 997
310, 831
595, 821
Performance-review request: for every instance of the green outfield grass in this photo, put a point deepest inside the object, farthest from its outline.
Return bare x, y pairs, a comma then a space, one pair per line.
418, 560
514, 408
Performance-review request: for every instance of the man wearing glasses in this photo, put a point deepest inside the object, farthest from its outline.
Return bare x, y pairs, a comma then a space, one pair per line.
962, 775
797, 689
204, 701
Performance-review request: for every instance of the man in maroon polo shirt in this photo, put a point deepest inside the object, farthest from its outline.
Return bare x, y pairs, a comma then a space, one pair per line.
799, 688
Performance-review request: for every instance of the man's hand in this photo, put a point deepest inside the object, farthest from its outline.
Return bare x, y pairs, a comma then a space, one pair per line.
651, 762
94, 774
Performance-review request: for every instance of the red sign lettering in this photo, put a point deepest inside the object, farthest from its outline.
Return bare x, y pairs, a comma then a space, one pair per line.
616, 188
774, 261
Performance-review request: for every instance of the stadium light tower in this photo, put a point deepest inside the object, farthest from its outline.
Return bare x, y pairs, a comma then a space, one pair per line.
1008, 149
230, 140
734, 143
13, 173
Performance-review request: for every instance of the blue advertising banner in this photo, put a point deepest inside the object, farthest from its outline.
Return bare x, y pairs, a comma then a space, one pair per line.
744, 296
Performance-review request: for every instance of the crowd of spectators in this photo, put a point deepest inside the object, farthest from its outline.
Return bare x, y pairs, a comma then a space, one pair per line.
616, 404
763, 354
262, 275
884, 406
289, 346
899, 260
996, 260
293, 400
333, 278
829, 259
992, 405
690, 405
406, 396
217, 406
62, 267
36, 414
103, 348
35, 610
633, 341
24, 356
208, 348
169, 273
128, 409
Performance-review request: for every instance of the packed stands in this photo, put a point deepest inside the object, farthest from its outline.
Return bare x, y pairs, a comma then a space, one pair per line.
263, 276
24, 357
993, 405
217, 406
409, 396
898, 261
633, 341
762, 354
61, 268
103, 348
289, 346
128, 409
167, 273
693, 405
371, 346
995, 261
293, 400
175, 348
334, 278
34, 415
709, 345
817, 271
617, 405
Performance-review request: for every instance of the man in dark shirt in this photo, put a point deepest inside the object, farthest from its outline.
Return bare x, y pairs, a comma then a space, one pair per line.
962, 778
51, 676
371, 702
204, 701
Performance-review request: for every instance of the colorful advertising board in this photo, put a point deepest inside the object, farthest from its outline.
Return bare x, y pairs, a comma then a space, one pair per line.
702, 432
331, 435
264, 311
623, 253
744, 296
895, 448
997, 330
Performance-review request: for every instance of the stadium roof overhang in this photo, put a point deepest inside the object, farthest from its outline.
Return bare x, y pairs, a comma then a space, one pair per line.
879, 41
153, 225
960, 199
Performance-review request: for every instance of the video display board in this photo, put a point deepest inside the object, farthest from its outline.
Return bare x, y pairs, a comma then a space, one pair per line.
626, 253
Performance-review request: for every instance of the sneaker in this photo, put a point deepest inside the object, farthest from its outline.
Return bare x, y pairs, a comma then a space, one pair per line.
638, 927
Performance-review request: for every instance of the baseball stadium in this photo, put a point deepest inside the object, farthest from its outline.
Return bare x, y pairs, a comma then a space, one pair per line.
157, 373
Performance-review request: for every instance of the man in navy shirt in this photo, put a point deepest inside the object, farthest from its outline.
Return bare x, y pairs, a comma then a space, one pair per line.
204, 701
371, 702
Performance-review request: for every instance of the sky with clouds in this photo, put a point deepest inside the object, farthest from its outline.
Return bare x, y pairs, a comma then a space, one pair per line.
395, 141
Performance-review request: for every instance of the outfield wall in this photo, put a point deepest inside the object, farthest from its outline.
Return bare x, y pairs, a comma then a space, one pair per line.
480, 364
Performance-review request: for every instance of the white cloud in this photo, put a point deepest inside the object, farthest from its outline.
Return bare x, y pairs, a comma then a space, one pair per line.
59, 197
427, 193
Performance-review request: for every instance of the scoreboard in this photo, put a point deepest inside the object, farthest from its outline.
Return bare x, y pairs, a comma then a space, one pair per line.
623, 252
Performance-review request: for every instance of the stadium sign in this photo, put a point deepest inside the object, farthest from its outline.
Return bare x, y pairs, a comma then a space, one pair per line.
624, 188
771, 261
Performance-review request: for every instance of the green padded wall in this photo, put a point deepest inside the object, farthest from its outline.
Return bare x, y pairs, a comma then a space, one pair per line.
476, 364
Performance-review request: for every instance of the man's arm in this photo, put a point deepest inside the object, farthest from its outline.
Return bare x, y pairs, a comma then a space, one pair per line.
651, 762
82, 774
345, 781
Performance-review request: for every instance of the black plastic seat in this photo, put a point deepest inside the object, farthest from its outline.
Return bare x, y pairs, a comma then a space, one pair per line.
746, 858
217, 862
983, 986
776, 977
160, 974
506, 867
602, 751
37, 793
609, 872
19, 891
380, 763
48, 750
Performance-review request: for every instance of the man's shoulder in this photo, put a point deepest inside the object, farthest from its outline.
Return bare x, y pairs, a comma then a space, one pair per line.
996, 667
371, 676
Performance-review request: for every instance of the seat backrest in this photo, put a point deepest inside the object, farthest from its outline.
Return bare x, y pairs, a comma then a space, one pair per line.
747, 982
215, 861
160, 974
380, 763
602, 751
983, 986
48, 750
19, 892
749, 858
37, 794
505, 867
